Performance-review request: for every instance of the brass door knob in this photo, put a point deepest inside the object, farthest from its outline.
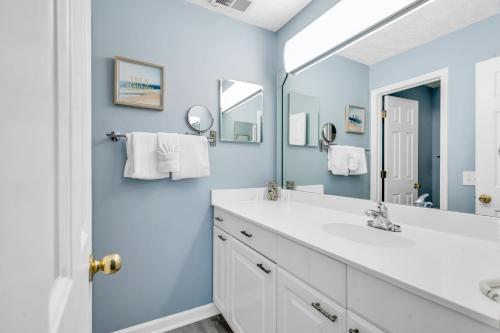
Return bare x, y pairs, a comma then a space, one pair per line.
109, 264
485, 198
416, 186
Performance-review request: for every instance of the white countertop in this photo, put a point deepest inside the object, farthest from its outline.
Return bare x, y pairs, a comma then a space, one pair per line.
442, 267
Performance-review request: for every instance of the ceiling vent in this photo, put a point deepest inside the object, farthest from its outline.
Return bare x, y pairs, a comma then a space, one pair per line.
239, 5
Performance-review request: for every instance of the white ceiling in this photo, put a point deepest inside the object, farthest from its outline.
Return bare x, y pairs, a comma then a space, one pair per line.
267, 14
432, 21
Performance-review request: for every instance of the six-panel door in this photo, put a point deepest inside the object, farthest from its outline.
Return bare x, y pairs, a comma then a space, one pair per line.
252, 290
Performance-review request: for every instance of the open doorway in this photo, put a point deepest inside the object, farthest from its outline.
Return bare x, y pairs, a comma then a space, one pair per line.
410, 135
411, 146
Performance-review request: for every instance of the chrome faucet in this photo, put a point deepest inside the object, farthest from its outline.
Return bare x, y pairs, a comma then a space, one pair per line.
422, 201
380, 219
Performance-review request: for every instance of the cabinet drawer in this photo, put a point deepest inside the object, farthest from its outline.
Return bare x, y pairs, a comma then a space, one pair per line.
396, 310
323, 273
356, 324
259, 239
302, 309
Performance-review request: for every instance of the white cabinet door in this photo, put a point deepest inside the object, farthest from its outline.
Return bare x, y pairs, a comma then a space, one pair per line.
355, 324
302, 309
220, 269
252, 290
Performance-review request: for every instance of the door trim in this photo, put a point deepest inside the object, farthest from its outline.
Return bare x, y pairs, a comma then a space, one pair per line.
376, 97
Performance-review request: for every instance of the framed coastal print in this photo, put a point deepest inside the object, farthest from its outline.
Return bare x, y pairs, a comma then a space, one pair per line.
354, 119
138, 84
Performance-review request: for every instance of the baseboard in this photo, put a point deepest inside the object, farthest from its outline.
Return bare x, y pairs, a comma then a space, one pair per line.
174, 321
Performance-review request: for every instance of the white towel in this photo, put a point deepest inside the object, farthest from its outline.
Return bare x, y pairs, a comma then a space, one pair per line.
330, 158
297, 129
347, 160
168, 152
193, 158
142, 161
357, 161
339, 159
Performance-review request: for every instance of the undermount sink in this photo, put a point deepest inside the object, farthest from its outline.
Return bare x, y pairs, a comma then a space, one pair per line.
367, 235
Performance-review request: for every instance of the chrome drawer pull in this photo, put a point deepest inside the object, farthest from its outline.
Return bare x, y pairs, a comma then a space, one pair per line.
317, 306
244, 232
220, 219
263, 268
353, 330
222, 237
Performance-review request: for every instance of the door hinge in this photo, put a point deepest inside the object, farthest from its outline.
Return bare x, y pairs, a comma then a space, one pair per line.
383, 114
383, 174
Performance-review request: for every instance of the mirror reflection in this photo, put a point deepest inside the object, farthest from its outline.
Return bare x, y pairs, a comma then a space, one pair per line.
303, 120
200, 118
404, 101
329, 132
241, 111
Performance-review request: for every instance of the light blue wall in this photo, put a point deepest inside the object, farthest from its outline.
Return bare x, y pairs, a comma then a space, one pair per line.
459, 52
336, 82
426, 138
162, 228
300, 103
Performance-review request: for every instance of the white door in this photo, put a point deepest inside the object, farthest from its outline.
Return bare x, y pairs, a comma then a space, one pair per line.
303, 309
488, 137
220, 269
401, 150
252, 295
45, 173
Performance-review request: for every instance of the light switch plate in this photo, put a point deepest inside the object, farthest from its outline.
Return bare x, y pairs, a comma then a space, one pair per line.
469, 178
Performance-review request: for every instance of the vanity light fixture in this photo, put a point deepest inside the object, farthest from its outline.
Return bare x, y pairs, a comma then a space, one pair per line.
344, 24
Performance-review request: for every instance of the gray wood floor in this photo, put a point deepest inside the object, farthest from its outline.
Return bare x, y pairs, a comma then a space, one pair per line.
215, 324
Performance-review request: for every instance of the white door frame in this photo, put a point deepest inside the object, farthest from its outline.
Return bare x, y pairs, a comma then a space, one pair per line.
376, 98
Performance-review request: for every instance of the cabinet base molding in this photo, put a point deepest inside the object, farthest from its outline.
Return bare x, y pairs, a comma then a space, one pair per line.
174, 321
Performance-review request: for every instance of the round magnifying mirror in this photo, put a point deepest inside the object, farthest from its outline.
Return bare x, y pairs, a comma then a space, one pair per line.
200, 118
329, 132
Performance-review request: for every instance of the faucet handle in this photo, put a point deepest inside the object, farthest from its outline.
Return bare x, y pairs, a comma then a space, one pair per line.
382, 209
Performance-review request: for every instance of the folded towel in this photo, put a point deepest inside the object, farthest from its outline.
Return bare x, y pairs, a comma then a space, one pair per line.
339, 160
353, 162
347, 160
330, 158
297, 129
142, 160
357, 161
168, 152
193, 157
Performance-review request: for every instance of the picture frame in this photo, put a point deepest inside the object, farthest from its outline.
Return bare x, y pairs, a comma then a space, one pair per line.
138, 84
355, 119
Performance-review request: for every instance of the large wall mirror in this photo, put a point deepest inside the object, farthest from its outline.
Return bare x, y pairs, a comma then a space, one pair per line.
406, 102
241, 111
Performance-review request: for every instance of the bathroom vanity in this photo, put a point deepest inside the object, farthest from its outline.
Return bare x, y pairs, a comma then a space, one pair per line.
308, 263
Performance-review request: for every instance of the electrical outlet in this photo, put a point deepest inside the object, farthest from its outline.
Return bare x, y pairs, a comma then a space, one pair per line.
469, 178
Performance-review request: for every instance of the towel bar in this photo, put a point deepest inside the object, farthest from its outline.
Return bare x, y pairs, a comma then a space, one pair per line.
323, 146
116, 136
